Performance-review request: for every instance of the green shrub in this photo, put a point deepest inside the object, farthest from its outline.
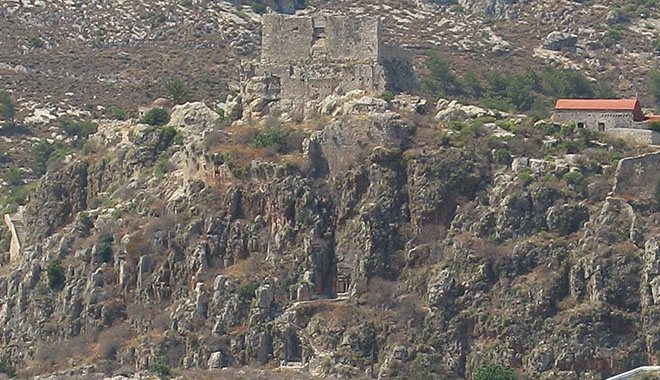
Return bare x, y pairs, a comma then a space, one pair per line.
85, 221
653, 84
155, 117
573, 178
4, 156
276, 137
80, 129
387, 96
35, 41
525, 176
104, 248
441, 81
39, 155
161, 369
457, 8
177, 91
654, 126
563, 83
60, 151
161, 165
656, 194
494, 372
56, 276
246, 292
502, 156
631, 9
656, 44
611, 37
168, 136
259, 8
14, 176
119, 114
7, 368
571, 220
7, 107
473, 83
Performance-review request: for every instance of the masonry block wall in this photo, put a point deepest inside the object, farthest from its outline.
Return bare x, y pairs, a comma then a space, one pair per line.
333, 39
637, 177
591, 119
306, 59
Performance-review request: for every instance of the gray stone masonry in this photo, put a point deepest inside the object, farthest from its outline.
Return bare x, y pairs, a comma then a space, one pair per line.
306, 59
637, 177
591, 119
288, 40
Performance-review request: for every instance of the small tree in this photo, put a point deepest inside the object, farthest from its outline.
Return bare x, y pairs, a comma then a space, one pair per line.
656, 193
441, 80
654, 84
39, 155
7, 367
494, 372
155, 117
473, 83
56, 277
177, 91
14, 176
161, 369
7, 108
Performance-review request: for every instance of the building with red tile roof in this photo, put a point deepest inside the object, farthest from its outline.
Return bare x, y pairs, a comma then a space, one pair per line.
602, 114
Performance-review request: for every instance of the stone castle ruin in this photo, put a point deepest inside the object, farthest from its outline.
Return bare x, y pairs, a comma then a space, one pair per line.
306, 59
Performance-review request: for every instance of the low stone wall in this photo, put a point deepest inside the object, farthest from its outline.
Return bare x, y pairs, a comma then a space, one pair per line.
637, 373
636, 177
14, 244
635, 136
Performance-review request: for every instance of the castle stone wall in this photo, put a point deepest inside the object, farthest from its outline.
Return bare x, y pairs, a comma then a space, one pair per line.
637, 177
306, 59
353, 39
335, 39
286, 39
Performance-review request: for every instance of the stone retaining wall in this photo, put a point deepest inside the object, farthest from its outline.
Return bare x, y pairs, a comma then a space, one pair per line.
635, 136
637, 177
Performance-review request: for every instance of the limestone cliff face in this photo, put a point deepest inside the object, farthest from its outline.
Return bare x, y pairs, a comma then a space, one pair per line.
384, 250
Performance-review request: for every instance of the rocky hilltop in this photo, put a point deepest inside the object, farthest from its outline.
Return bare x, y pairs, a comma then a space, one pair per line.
420, 223
383, 247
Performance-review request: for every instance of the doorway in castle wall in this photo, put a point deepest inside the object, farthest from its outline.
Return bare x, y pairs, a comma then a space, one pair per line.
343, 284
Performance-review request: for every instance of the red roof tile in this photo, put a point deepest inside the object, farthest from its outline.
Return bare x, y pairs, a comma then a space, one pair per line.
602, 105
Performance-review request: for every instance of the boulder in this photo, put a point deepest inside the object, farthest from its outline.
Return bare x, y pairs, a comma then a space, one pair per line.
410, 103
613, 17
452, 110
364, 105
440, 292
265, 296
519, 164
215, 360
493, 9
196, 117
560, 40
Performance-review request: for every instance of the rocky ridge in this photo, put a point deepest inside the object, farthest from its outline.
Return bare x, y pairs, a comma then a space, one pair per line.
455, 243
